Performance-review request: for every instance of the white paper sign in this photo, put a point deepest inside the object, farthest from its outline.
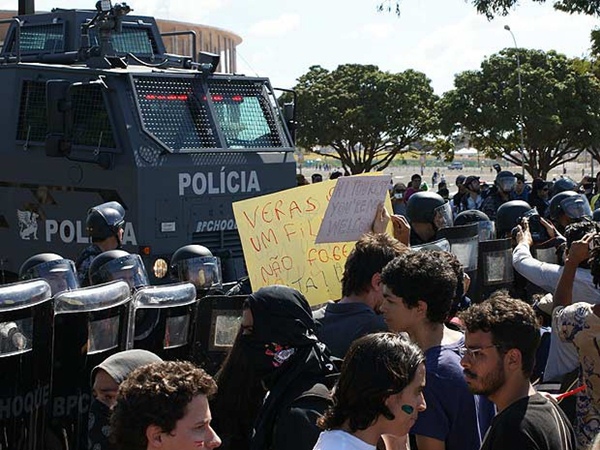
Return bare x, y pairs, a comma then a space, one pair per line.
352, 208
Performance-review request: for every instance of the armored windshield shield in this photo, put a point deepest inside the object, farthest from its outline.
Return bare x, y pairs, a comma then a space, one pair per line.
26, 361
60, 274
188, 114
164, 319
90, 325
218, 322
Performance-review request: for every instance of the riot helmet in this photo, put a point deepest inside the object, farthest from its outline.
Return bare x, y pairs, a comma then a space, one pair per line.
105, 220
563, 184
576, 207
596, 215
554, 208
487, 228
118, 265
58, 272
509, 215
429, 207
196, 264
505, 181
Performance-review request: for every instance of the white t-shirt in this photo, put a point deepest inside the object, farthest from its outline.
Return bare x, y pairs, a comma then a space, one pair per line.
340, 440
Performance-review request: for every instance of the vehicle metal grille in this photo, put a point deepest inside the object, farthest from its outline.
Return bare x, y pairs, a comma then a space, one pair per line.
244, 114
32, 112
220, 240
42, 38
171, 112
91, 125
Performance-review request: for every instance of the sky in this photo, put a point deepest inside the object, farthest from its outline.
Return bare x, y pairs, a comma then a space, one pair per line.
283, 38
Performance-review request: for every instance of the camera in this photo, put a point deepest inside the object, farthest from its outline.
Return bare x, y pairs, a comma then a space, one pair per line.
538, 231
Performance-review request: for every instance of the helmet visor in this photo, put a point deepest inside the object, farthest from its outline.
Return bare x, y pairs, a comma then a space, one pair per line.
204, 272
442, 216
576, 207
487, 230
128, 268
506, 184
60, 274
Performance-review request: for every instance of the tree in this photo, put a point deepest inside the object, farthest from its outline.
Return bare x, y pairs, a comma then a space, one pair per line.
367, 116
560, 108
492, 8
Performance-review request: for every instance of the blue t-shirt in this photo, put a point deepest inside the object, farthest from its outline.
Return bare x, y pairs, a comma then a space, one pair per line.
340, 324
453, 414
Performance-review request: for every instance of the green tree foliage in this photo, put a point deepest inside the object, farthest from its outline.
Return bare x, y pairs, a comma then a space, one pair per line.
367, 116
560, 108
492, 8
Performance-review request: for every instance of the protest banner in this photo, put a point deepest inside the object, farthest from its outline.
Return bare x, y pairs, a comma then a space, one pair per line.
351, 209
278, 234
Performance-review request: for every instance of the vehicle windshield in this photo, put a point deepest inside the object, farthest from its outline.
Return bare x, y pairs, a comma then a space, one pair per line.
190, 114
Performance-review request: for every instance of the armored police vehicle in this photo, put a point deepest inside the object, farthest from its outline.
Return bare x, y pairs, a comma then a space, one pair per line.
94, 110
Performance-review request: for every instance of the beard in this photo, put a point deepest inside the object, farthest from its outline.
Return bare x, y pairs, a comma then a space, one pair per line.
486, 384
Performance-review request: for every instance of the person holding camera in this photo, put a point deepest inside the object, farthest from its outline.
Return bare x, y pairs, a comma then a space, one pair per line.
562, 357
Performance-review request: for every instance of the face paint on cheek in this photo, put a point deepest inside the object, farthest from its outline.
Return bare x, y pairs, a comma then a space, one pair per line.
407, 409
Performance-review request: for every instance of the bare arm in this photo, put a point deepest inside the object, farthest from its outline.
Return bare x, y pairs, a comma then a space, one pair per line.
579, 251
427, 443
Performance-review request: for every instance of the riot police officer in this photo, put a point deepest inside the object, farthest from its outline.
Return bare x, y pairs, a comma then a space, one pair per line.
509, 215
568, 207
104, 224
118, 265
427, 213
500, 193
58, 272
196, 264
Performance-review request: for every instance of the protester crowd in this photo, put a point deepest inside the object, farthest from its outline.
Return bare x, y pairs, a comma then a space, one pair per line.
405, 358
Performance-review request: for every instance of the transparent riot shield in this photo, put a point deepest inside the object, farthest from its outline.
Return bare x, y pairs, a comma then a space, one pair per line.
547, 255
163, 320
495, 270
90, 325
464, 244
217, 323
26, 362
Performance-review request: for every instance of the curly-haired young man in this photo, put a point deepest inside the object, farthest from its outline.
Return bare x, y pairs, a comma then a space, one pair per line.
419, 289
501, 341
164, 406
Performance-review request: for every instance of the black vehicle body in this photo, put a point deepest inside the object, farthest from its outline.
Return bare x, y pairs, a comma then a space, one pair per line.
92, 114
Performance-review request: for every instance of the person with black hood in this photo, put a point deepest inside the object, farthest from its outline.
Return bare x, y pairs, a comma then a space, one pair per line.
278, 338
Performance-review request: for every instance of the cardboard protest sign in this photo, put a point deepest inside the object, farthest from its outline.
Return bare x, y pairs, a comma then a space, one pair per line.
352, 207
278, 234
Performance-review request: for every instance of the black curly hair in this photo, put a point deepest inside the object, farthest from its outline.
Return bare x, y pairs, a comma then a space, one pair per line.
511, 322
155, 394
426, 276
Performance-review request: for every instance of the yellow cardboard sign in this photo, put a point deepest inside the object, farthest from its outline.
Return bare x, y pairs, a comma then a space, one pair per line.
278, 234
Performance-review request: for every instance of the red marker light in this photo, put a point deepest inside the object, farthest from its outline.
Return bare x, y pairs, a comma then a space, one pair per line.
172, 97
237, 98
